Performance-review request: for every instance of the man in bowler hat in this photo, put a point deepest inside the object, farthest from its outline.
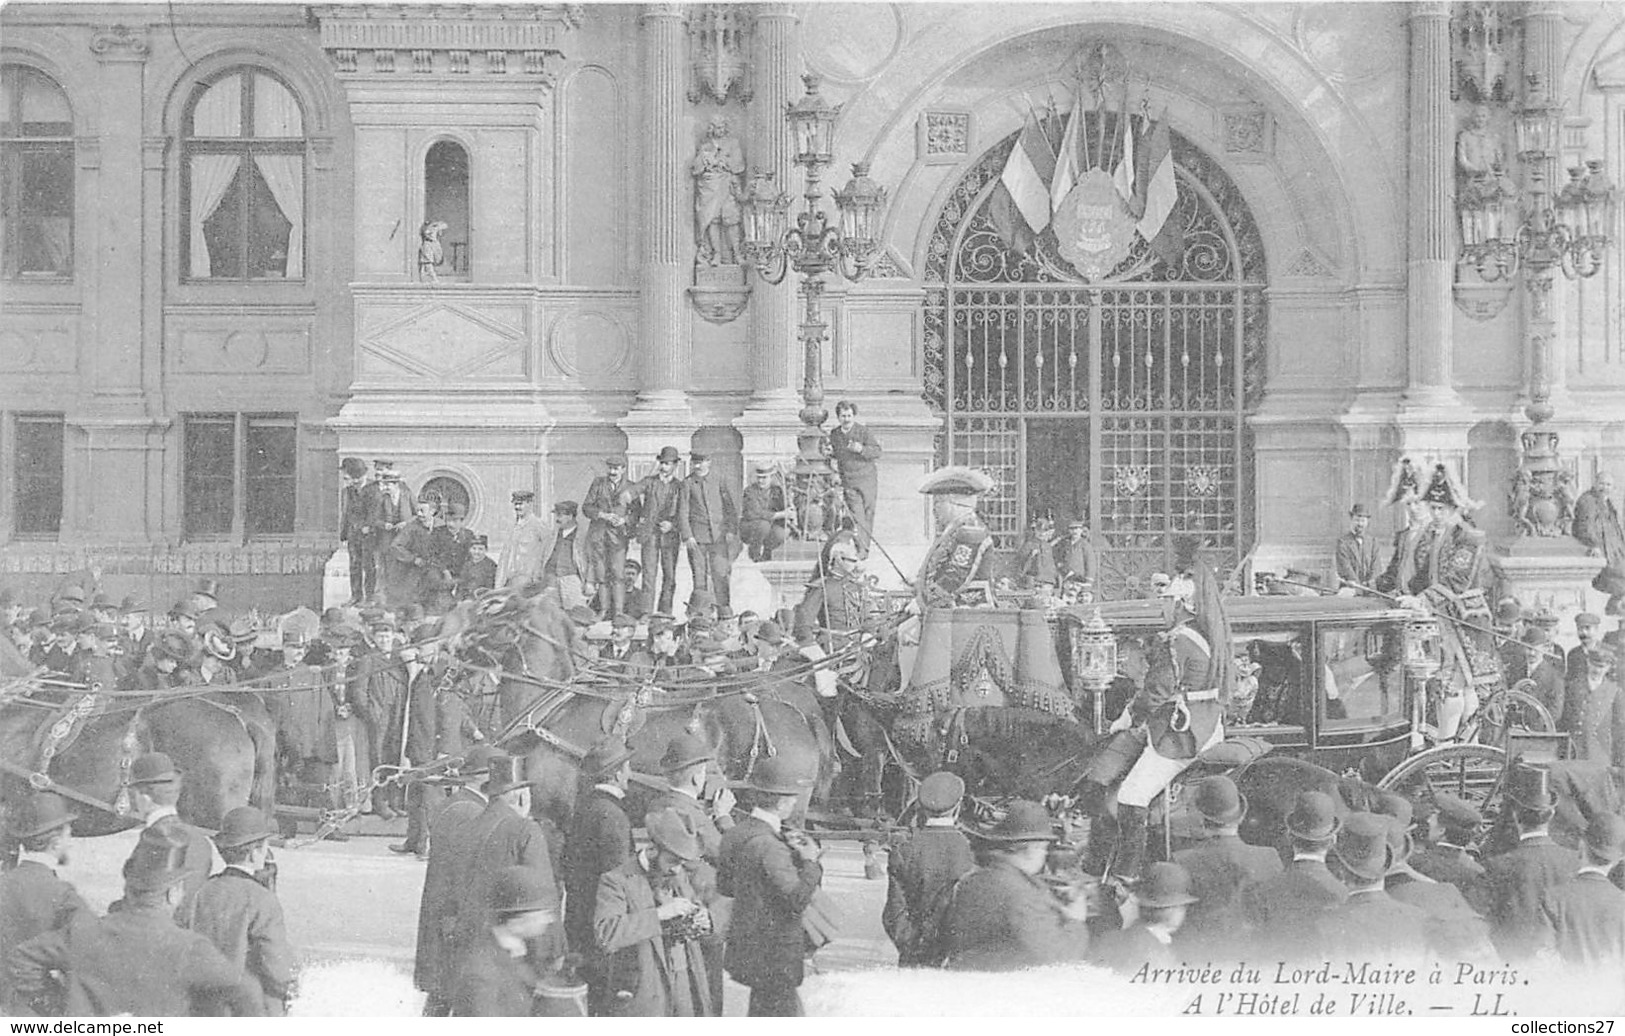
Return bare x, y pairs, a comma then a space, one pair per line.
1356, 552
600, 841
1160, 905
503, 969
608, 509
1587, 912
1220, 866
921, 872
34, 899
1370, 924
685, 765
243, 918
1284, 910
434, 965
154, 789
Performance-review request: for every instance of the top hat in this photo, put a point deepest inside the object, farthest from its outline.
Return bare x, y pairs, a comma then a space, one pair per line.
354, 467
41, 812
153, 768
522, 496
684, 751
668, 455
208, 588
1359, 511
1313, 817
777, 775
1605, 836
605, 757
504, 773
244, 825
1219, 802
1531, 787
1024, 821
1457, 814
958, 480
1362, 846
1165, 885
941, 792
158, 862
1536, 636
623, 621
477, 761
521, 890
668, 831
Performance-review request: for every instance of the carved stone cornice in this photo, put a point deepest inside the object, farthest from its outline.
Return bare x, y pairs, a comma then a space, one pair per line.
120, 43
447, 40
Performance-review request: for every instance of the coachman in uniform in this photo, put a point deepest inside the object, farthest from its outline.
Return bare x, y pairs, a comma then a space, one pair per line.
1452, 570
920, 873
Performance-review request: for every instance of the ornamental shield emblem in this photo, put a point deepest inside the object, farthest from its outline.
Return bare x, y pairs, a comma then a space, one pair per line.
1093, 228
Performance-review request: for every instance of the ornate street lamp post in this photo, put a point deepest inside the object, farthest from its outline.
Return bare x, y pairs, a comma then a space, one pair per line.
812, 248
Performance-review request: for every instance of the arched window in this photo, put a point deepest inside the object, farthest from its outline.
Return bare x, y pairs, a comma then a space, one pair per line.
244, 179
445, 199
36, 175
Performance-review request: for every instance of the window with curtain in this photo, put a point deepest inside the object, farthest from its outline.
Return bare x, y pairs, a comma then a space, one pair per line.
244, 180
36, 176
38, 487
239, 475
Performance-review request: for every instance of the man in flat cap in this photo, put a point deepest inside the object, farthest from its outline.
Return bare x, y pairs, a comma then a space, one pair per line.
1594, 708
564, 574
1448, 859
34, 898
657, 500
708, 521
1357, 551
765, 515
479, 572
608, 508
353, 526
921, 872
524, 552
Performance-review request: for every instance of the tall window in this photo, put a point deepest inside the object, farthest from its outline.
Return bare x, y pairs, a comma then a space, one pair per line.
445, 199
36, 176
244, 179
38, 457
239, 475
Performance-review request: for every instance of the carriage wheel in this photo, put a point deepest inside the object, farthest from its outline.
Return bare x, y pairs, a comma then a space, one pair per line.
1469, 772
1513, 709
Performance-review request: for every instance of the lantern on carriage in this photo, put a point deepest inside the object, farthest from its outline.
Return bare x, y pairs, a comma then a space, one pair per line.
1421, 646
1095, 657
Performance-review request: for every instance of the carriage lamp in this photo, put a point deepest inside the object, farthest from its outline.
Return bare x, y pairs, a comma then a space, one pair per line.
1421, 647
1095, 659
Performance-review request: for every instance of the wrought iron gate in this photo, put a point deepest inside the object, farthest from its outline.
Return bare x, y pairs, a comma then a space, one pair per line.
1123, 401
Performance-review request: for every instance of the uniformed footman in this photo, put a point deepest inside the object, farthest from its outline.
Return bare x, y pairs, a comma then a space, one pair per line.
921, 872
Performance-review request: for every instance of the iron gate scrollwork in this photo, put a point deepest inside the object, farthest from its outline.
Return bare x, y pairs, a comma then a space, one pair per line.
1124, 401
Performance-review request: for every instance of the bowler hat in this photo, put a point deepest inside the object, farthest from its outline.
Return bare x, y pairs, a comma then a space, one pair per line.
1531, 787
1362, 846
1219, 802
521, 890
668, 831
605, 757
153, 768
1605, 836
184, 610
41, 812
684, 751
1024, 821
131, 605
1313, 817
778, 775
103, 601
208, 588
1359, 511
1536, 636
763, 467
241, 630
354, 467
244, 825
941, 792
504, 773
958, 480
1508, 610
72, 595
158, 862
477, 761
1457, 814
388, 474
668, 455
567, 508
581, 615
1165, 885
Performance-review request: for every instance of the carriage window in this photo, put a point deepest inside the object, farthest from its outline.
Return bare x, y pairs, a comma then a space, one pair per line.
1269, 680
1360, 677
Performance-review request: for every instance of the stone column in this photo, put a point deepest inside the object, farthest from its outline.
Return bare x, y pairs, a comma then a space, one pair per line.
769, 424
1431, 243
1545, 291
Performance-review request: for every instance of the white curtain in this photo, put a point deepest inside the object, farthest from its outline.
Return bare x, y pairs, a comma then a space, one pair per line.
219, 112
276, 113
56, 235
211, 178
284, 175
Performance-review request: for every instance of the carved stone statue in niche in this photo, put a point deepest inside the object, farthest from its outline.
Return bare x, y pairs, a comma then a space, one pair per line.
718, 170
1482, 186
430, 252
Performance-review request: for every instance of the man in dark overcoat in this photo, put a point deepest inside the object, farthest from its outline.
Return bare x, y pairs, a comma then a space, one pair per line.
1370, 924
389, 506
450, 851
1517, 883
503, 969
1449, 858
1002, 916
33, 898
685, 764
241, 917
708, 522
1455, 930
155, 788
1160, 906
352, 522
600, 840
608, 509
1284, 910
657, 497
1220, 867
771, 873
921, 872
1587, 912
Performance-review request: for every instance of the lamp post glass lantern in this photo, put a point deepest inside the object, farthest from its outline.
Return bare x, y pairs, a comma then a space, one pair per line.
812, 247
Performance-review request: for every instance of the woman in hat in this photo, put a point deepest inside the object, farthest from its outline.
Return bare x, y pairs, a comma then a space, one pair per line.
1406, 490
647, 925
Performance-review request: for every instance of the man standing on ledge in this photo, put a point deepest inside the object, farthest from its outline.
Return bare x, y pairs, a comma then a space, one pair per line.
855, 450
708, 521
1356, 552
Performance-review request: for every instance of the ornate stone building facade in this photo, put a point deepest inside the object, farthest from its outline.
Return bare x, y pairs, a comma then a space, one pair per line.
220, 226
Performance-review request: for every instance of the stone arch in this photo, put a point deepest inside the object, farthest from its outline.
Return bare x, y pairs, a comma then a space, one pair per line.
70, 80
303, 68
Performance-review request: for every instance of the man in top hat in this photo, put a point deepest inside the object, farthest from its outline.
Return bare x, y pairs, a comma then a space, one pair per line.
1220, 867
1588, 631
764, 514
33, 898
352, 526
921, 872
708, 522
1448, 859
502, 970
1356, 552
205, 602
479, 572
1370, 924
1516, 883
1587, 912
1593, 707
772, 874
1076, 556
855, 449
136, 960
1159, 907
154, 788
610, 517
524, 552
565, 571
658, 498
600, 840
1597, 526
1284, 911
647, 926
450, 852
1002, 916
240, 916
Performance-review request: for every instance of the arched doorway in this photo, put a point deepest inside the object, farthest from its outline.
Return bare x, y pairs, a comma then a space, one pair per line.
1124, 400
